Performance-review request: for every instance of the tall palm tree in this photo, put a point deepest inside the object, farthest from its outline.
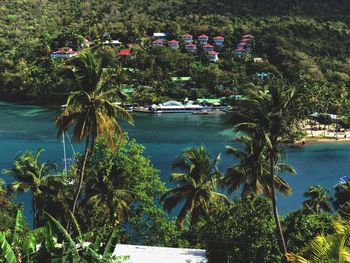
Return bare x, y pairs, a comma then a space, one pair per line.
268, 114
196, 186
92, 110
31, 175
252, 170
317, 199
331, 248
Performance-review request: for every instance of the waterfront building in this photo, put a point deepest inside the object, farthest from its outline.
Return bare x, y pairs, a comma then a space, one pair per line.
149, 254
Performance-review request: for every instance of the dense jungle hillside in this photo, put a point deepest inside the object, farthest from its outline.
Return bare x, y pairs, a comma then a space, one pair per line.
306, 42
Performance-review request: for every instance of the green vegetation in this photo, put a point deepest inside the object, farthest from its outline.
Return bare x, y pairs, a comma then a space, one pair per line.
112, 193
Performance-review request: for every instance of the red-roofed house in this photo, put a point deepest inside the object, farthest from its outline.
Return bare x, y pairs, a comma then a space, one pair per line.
124, 52
191, 47
203, 39
213, 56
173, 44
157, 43
248, 36
208, 48
219, 41
64, 53
187, 38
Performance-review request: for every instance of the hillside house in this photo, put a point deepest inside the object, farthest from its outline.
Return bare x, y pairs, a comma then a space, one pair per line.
124, 52
187, 38
173, 44
258, 60
239, 52
219, 41
191, 47
157, 43
213, 56
208, 48
159, 36
113, 43
203, 39
64, 53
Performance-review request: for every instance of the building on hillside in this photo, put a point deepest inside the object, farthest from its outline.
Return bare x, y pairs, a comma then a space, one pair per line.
191, 47
187, 38
124, 52
173, 44
248, 36
208, 48
213, 56
239, 52
157, 43
64, 53
203, 39
219, 41
242, 45
113, 43
258, 60
159, 36
148, 254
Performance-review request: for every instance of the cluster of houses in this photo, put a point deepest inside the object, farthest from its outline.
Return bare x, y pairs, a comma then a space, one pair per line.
187, 40
245, 46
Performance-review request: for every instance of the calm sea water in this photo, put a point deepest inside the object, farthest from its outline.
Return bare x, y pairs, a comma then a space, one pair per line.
164, 136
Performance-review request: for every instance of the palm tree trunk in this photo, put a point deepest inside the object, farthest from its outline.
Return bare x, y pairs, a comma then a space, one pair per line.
34, 211
281, 240
81, 176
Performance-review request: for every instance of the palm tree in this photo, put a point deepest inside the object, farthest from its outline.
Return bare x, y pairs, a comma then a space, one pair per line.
92, 110
252, 170
31, 175
268, 114
342, 198
195, 186
331, 248
318, 200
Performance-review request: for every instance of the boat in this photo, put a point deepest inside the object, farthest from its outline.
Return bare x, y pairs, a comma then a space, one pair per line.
175, 107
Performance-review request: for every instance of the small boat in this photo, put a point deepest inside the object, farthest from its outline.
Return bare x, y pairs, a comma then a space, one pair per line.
209, 112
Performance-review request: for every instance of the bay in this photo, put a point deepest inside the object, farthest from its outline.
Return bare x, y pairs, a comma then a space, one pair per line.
165, 136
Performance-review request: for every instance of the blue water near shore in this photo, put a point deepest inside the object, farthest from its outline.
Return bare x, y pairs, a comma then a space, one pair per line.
164, 136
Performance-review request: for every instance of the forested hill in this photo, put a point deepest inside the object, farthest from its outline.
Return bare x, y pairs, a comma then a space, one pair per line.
302, 40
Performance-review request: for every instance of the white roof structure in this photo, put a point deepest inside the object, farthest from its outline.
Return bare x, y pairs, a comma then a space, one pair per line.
148, 254
159, 34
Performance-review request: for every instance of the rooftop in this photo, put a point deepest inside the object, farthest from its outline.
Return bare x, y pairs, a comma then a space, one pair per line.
148, 254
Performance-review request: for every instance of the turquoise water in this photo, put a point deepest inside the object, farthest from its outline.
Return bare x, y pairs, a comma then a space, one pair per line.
164, 136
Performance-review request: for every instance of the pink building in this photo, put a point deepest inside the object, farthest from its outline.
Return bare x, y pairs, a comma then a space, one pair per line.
219, 41
64, 53
208, 48
213, 56
191, 47
173, 44
203, 39
157, 43
187, 38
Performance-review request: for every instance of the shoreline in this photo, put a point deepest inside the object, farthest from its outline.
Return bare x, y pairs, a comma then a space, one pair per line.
319, 140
